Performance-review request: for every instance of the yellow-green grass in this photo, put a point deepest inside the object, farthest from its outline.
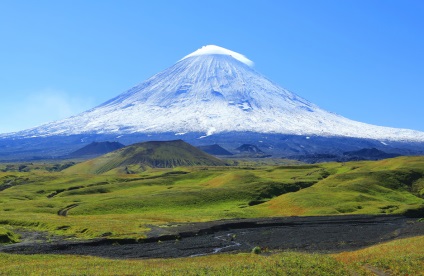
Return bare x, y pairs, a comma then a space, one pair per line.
124, 205
8, 236
383, 187
167, 195
241, 264
399, 257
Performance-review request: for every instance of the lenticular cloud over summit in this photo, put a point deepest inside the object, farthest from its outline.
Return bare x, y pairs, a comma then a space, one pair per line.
216, 50
213, 91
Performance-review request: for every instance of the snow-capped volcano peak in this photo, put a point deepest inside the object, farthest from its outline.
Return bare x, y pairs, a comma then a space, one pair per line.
214, 90
216, 50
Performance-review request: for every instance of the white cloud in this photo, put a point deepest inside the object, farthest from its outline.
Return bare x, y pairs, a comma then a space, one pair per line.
216, 50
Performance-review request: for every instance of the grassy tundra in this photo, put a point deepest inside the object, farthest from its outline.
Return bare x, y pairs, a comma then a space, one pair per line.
125, 204
78, 203
399, 257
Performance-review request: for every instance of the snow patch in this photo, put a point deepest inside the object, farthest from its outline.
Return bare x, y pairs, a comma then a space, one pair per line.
210, 131
216, 50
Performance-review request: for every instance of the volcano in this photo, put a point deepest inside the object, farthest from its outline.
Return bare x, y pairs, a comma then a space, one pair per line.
214, 93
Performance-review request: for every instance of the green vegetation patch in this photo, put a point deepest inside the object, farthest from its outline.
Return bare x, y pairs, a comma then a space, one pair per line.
382, 187
399, 257
39, 199
7, 236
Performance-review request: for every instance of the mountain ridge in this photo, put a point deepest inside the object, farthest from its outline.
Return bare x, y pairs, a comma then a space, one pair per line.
96, 148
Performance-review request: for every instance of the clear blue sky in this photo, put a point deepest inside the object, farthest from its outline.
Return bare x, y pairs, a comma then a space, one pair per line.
363, 59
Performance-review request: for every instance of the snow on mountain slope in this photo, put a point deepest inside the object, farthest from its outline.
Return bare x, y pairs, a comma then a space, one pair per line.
214, 90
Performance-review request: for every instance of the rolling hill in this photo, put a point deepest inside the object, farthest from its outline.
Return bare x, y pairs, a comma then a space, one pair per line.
154, 154
126, 205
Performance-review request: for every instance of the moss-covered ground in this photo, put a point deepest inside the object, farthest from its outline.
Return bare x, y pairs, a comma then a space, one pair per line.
45, 197
400, 257
124, 205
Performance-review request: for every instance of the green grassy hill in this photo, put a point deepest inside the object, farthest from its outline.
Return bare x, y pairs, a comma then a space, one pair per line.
386, 186
126, 205
156, 154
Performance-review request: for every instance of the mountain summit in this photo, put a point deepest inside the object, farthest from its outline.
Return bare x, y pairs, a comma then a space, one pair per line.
214, 90
216, 95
